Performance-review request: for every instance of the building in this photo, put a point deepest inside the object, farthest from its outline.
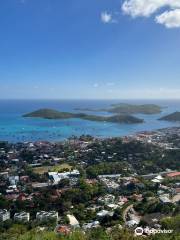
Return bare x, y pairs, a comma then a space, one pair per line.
112, 206
63, 230
22, 217
44, 216
4, 215
132, 223
40, 185
173, 174
104, 213
4, 175
57, 177
164, 198
13, 180
157, 179
90, 225
107, 199
73, 221
110, 184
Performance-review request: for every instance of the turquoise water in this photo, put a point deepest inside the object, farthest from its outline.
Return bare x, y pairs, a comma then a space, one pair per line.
14, 128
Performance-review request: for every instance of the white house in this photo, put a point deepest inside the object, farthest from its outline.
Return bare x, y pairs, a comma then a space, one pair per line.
57, 177
43, 216
73, 221
22, 217
104, 213
4, 215
90, 225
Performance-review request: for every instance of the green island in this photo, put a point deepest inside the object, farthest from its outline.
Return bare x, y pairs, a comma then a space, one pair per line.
125, 108
173, 117
54, 114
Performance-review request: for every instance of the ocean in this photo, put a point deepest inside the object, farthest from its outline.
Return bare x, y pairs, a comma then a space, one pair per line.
15, 128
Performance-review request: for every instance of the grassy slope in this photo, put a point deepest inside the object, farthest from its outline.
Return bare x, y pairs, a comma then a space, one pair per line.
57, 168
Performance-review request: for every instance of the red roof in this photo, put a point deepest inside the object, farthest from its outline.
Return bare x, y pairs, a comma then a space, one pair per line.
63, 230
173, 174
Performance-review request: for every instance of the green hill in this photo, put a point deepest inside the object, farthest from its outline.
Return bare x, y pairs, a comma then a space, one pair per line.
124, 108
134, 109
173, 117
49, 114
54, 114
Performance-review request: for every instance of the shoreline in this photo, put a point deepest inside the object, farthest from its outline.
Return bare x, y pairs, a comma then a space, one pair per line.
136, 134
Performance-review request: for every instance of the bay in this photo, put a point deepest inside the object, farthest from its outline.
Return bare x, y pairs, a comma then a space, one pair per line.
15, 128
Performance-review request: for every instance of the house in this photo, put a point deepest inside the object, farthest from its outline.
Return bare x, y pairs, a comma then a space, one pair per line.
122, 200
164, 198
173, 175
13, 180
112, 206
157, 179
137, 197
109, 176
110, 184
104, 213
24, 178
63, 230
132, 223
73, 221
4, 215
107, 199
12, 189
176, 198
39, 185
22, 197
22, 217
4, 175
90, 225
43, 216
57, 177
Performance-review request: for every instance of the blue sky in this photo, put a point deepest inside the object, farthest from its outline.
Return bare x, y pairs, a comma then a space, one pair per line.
89, 49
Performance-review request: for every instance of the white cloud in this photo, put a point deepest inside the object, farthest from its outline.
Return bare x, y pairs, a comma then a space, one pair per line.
145, 8
171, 19
106, 17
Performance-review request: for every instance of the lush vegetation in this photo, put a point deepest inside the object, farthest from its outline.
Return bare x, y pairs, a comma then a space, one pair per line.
127, 158
56, 168
124, 108
53, 114
20, 232
174, 117
133, 109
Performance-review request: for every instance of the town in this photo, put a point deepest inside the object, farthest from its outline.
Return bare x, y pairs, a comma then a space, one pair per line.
88, 183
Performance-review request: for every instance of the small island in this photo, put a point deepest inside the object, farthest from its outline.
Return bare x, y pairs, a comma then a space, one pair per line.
125, 108
173, 117
54, 114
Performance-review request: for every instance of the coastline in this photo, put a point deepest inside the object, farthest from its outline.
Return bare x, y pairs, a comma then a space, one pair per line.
14, 128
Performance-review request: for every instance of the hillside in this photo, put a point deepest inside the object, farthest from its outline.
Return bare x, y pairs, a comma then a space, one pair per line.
48, 114
133, 109
124, 108
54, 114
173, 117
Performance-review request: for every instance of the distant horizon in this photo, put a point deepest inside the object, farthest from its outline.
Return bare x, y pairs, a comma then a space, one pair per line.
89, 99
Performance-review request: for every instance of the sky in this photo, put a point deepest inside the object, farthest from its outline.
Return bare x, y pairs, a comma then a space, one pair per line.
89, 49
